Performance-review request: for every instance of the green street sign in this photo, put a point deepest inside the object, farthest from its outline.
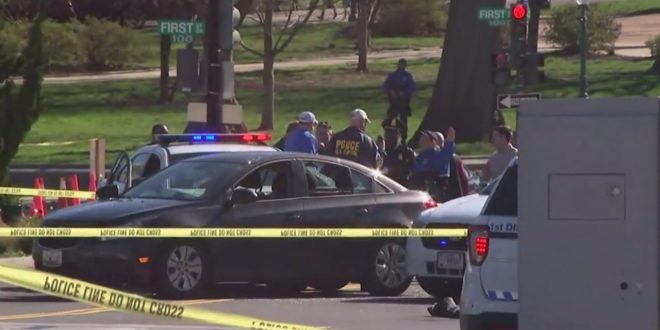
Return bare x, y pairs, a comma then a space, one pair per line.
180, 30
494, 16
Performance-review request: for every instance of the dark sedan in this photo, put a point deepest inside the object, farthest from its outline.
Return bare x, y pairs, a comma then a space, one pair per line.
240, 190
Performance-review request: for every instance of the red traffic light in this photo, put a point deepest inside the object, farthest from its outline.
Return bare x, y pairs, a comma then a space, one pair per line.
519, 12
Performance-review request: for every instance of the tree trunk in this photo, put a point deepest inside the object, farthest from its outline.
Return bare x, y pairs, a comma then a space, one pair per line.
533, 30
268, 78
464, 96
655, 68
165, 49
363, 34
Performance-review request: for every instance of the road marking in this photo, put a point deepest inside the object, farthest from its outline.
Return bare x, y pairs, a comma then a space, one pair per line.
94, 310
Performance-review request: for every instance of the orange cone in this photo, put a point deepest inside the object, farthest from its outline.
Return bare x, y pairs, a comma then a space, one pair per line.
62, 201
75, 187
92, 184
37, 201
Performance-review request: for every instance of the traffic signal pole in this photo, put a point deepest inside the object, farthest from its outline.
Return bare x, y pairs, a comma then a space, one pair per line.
214, 86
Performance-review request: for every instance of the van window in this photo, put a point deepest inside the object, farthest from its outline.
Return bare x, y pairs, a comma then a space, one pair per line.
504, 200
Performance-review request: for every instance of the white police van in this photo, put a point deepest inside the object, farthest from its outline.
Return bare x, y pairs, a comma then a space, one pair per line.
171, 148
489, 299
439, 263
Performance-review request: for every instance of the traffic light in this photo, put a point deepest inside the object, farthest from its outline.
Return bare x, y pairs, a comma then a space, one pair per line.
501, 74
518, 34
531, 68
229, 18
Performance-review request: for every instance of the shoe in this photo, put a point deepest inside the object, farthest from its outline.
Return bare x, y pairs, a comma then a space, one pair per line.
445, 308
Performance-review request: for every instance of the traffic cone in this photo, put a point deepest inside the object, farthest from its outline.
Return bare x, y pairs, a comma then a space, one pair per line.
37, 201
75, 187
92, 184
62, 201
44, 203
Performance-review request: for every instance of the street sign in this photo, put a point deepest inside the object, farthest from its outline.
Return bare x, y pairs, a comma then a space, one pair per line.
494, 16
511, 101
181, 31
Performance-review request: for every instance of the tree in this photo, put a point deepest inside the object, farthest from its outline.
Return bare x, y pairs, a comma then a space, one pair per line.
464, 96
363, 34
654, 46
274, 45
20, 107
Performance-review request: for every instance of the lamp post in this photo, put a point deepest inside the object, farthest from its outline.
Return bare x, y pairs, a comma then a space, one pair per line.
583, 4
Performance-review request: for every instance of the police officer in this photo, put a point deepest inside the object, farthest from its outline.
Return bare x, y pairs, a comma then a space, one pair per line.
399, 158
157, 130
353, 144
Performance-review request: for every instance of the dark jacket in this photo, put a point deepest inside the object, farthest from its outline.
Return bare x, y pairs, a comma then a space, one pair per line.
398, 163
354, 145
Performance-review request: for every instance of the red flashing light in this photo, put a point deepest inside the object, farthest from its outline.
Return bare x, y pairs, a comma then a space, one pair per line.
481, 245
429, 204
478, 237
260, 137
248, 137
519, 12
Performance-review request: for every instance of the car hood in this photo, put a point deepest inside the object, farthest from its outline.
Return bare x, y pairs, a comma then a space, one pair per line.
464, 210
111, 212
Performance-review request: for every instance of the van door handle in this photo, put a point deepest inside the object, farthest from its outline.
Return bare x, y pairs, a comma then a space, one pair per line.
361, 211
294, 217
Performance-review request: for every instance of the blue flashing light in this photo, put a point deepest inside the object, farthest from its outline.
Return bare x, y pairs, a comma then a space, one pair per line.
444, 242
210, 137
197, 138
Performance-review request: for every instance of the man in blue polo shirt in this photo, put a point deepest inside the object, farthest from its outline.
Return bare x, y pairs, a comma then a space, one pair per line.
431, 167
302, 138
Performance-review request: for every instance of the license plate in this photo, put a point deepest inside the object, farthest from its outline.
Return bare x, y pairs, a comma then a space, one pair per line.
52, 258
451, 260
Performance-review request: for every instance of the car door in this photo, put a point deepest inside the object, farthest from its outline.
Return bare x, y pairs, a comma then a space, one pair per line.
277, 206
121, 172
499, 272
334, 201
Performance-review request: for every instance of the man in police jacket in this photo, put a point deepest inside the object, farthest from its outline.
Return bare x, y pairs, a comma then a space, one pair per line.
399, 158
353, 144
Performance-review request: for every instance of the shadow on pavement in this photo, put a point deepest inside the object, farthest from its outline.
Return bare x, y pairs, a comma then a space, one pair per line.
394, 300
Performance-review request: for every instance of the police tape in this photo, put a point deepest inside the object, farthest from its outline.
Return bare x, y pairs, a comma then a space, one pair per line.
229, 232
46, 193
81, 291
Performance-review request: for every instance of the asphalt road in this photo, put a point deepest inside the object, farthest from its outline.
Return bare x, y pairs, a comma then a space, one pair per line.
349, 309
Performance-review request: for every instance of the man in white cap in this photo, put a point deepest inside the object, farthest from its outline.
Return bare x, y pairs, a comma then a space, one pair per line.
302, 138
353, 143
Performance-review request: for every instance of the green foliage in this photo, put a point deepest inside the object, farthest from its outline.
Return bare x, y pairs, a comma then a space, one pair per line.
654, 45
563, 28
411, 18
107, 45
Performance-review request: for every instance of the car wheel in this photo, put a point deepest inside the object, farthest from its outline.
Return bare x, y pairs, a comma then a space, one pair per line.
441, 288
328, 286
387, 274
182, 271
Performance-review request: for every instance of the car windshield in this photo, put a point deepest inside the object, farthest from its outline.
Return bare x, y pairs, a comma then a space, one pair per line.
179, 157
489, 188
190, 180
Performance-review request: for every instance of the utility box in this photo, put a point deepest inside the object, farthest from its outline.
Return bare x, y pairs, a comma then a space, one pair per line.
588, 214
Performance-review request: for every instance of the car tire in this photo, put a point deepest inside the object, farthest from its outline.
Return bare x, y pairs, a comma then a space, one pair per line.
387, 274
182, 271
328, 286
441, 288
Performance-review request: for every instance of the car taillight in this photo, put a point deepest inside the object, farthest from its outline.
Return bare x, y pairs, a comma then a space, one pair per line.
478, 237
429, 204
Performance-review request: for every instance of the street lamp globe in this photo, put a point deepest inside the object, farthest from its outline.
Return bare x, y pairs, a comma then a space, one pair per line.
582, 2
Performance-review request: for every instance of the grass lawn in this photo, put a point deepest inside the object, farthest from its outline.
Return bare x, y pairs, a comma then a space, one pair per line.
123, 112
313, 41
627, 7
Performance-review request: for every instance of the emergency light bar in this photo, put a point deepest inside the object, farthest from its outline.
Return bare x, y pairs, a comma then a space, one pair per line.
213, 138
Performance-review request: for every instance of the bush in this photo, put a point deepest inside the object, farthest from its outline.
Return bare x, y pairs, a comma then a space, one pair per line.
563, 28
654, 45
108, 45
13, 37
62, 45
411, 18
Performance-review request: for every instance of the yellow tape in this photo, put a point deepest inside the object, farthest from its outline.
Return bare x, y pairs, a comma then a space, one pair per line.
68, 288
46, 192
230, 232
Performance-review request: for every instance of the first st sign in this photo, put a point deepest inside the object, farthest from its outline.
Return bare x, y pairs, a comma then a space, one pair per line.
181, 30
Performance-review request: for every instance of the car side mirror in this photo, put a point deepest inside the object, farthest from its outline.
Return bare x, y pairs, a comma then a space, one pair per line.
242, 196
107, 192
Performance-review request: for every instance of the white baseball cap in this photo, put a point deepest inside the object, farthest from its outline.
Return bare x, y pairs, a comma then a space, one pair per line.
359, 113
307, 117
